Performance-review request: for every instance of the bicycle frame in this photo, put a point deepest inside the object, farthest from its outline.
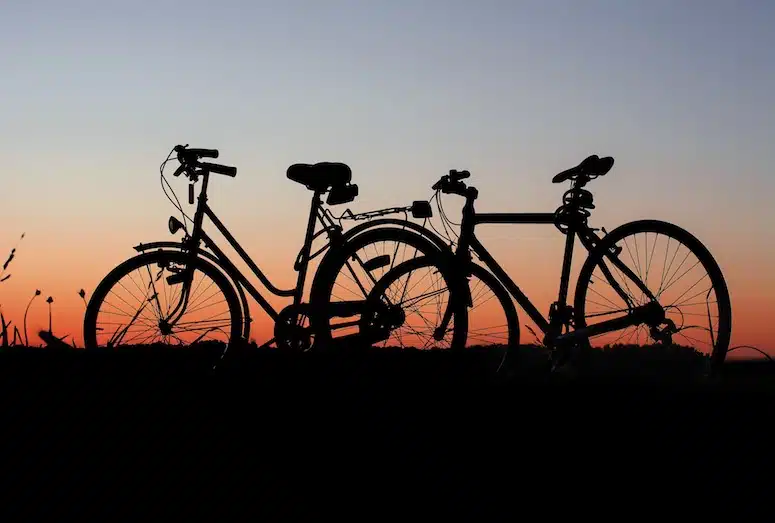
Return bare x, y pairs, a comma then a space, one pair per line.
337, 237
587, 237
198, 235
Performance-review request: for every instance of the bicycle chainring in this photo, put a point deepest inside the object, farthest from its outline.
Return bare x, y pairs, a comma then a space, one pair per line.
290, 332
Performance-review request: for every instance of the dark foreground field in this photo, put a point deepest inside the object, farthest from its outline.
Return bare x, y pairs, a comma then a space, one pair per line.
163, 432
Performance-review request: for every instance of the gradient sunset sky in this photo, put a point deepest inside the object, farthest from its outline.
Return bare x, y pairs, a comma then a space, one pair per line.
94, 94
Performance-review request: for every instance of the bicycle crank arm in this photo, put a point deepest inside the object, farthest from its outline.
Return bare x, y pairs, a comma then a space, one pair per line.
651, 313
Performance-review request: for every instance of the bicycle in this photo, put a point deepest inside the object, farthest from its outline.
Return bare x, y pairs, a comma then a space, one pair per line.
569, 329
159, 315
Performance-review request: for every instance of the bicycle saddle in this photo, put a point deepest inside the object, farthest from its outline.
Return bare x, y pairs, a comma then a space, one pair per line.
591, 166
320, 176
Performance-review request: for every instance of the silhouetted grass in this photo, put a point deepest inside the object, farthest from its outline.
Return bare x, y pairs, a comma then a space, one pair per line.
47, 337
4, 276
621, 363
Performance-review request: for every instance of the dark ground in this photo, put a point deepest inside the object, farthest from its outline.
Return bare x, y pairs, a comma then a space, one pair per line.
311, 433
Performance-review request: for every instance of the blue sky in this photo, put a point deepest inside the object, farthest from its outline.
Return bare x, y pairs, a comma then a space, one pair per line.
94, 95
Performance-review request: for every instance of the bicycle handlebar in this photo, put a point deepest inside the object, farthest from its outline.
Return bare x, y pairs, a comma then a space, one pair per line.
189, 159
220, 169
452, 183
201, 153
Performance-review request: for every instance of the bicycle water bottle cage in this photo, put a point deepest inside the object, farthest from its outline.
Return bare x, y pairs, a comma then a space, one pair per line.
342, 194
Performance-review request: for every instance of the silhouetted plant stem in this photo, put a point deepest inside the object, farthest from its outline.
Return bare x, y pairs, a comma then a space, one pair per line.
26, 339
49, 300
5, 330
3, 275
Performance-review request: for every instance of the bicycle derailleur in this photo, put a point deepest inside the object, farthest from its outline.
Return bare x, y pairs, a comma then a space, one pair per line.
663, 333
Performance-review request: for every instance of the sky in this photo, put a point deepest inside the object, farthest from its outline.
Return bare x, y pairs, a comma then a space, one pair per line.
96, 93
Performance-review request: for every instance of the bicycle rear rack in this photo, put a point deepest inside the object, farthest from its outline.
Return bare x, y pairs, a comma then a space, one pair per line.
418, 209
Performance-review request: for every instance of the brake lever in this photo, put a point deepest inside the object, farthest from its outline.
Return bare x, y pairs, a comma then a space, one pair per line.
436, 186
179, 170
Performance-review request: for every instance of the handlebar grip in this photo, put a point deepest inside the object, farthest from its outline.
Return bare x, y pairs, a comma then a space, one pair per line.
203, 153
219, 169
458, 175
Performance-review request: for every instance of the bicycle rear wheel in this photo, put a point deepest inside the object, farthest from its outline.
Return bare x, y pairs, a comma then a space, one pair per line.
347, 276
131, 307
679, 272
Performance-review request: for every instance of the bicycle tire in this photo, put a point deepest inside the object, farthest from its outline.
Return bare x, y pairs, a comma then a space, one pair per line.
505, 359
696, 247
155, 257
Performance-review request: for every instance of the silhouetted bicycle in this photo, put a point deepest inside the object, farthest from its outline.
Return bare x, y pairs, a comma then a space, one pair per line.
636, 313
161, 296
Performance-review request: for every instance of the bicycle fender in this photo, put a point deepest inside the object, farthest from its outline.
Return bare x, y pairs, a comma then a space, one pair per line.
422, 234
427, 234
142, 247
422, 231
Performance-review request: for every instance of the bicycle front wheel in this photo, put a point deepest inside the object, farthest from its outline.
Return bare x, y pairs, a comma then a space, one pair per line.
138, 305
680, 274
493, 325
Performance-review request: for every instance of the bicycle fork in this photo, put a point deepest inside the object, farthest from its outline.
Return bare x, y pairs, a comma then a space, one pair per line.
459, 291
184, 277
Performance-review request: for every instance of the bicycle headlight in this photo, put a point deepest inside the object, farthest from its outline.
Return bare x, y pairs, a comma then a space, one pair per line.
174, 225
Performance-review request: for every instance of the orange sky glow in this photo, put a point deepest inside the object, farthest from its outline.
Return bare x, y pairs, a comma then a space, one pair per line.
532, 256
